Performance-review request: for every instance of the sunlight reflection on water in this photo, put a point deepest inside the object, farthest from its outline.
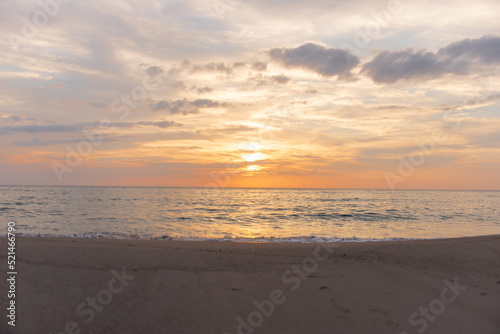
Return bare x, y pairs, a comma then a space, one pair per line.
250, 213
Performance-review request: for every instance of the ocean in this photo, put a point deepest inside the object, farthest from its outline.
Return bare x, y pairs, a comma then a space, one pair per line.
234, 214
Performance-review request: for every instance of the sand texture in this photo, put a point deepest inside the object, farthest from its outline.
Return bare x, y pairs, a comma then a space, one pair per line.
138, 286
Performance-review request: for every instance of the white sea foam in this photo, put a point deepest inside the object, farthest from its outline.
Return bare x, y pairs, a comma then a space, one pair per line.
300, 239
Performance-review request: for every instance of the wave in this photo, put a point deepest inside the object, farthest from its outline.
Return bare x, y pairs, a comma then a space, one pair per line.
299, 239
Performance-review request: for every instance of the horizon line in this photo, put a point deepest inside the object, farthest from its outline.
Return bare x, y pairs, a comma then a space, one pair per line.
202, 187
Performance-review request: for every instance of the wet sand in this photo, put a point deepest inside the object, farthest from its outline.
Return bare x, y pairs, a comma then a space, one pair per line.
139, 286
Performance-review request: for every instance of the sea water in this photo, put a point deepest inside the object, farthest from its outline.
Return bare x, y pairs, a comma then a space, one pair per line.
287, 215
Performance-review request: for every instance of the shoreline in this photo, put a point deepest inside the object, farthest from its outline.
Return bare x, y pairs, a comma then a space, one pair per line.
263, 240
178, 286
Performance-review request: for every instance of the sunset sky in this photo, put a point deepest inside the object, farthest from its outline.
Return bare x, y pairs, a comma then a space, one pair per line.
307, 94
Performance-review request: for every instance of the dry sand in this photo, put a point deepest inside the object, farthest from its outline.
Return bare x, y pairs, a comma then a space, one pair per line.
446, 286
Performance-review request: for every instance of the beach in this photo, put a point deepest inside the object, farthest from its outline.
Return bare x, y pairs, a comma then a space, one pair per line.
72, 285
250, 167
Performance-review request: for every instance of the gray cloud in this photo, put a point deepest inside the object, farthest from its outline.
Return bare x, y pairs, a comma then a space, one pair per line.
282, 79
159, 124
471, 102
259, 66
213, 67
187, 107
460, 58
239, 64
13, 119
201, 90
318, 59
263, 80
52, 128
62, 128
40, 142
154, 70
217, 67
178, 85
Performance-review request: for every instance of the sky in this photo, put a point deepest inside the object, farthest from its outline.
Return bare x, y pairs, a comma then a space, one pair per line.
230, 93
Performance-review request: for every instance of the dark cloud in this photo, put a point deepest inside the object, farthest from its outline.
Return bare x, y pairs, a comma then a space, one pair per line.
217, 67
318, 59
206, 103
159, 124
239, 64
187, 107
154, 70
41, 142
13, 119
259, 78
213, 67
282, 79
64, 128
202, 90
460, 58
178, 85
52, 128
263, 80
259, 66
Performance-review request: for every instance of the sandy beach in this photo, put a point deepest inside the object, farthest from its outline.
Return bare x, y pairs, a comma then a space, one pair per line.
138, 286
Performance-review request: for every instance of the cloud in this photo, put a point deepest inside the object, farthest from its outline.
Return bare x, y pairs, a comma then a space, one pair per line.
282, 79
263, 80
75, 103
187, 107
259, 66
62, 128
239, 64
13, 119
178, 85
217, 67
201, 90
318, 59
97, 104
232, 129
477, 101
40, 142
52, 128
213, 67
459, 58
160, 124
154, 70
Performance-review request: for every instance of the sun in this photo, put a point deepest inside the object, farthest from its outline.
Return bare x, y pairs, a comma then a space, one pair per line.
253, 168
253, 156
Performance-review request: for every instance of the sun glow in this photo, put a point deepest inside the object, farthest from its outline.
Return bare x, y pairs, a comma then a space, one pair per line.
253, 156
253, 168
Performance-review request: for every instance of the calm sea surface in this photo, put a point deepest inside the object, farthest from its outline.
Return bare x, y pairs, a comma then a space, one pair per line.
240, 214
